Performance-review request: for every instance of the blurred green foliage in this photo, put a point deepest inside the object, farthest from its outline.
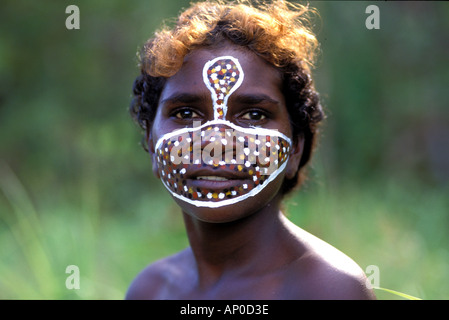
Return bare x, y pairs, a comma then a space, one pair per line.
76, 187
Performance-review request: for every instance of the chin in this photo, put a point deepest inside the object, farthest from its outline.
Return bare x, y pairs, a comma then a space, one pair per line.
232, 212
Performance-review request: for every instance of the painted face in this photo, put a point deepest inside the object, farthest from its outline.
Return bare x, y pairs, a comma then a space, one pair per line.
248, 159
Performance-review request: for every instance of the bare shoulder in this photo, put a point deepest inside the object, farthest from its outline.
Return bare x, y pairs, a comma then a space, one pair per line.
324, 272
156, 280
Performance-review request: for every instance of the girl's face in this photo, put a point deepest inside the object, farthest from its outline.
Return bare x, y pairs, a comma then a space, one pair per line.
221, 140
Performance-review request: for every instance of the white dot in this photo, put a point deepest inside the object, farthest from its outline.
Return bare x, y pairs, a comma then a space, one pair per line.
245, 186
221, 195
209, 195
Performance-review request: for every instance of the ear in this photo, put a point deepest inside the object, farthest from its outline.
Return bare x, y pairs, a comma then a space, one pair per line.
150, 143
295, 157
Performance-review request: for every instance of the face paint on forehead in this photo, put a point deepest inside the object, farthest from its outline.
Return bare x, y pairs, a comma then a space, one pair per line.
222, 76
245, 160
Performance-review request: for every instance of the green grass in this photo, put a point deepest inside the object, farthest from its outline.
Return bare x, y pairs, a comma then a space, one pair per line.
400, 230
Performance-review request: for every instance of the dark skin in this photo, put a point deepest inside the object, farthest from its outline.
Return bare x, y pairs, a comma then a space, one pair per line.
246, 250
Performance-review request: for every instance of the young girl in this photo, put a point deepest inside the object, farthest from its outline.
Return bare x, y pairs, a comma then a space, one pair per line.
230, 114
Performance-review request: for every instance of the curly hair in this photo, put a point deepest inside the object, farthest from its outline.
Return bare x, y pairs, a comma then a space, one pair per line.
278, 33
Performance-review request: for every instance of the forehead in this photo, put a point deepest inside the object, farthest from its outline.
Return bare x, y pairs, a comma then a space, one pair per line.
260, 77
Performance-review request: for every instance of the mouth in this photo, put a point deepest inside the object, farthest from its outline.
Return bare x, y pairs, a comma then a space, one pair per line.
217, 180
212, 178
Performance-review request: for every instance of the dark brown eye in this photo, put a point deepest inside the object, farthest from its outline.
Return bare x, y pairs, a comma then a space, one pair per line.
186, 114
254, 115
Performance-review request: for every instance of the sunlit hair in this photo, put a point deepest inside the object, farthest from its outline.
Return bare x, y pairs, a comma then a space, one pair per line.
278, 32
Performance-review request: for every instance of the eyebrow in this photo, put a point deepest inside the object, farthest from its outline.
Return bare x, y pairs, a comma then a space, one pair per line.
183, 98
254, 99
243, 99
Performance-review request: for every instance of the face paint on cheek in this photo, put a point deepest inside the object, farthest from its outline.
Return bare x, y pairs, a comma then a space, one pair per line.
222, 76
220, 163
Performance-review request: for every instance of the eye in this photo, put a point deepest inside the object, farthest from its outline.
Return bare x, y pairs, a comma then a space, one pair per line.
185, 114
254, 115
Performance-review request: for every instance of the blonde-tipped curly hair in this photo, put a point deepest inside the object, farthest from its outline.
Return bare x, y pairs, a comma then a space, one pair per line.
278, 32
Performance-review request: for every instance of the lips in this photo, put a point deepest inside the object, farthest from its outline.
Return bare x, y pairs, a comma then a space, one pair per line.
211, 178
216, 180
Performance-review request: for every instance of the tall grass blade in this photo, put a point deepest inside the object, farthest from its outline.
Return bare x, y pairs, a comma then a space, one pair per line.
400, 294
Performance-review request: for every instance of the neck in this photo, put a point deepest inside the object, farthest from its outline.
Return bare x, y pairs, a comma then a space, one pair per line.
239, 247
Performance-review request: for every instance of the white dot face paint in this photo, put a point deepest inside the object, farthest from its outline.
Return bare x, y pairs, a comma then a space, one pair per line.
222, 76
245, 159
